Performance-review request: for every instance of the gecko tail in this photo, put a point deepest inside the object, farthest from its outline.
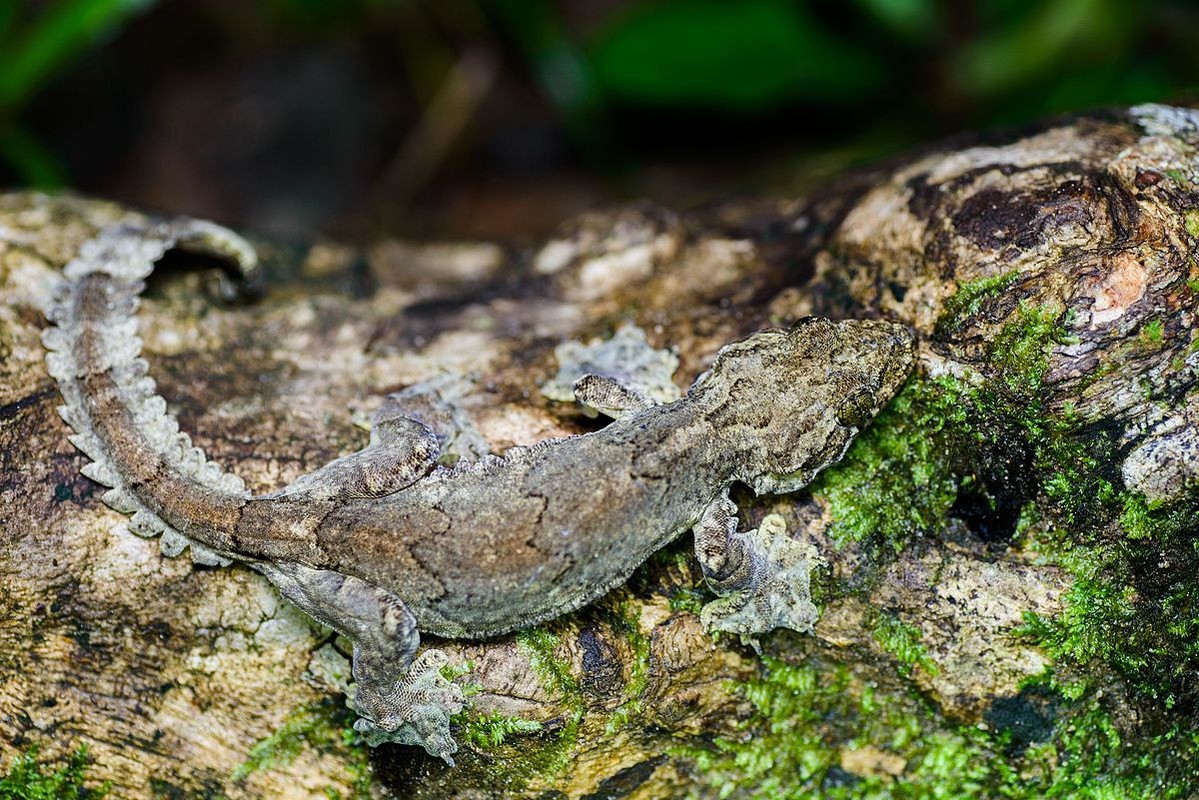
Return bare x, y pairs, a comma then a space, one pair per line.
94, 353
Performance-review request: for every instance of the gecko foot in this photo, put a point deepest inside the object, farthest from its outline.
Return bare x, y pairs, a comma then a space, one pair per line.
414, 710
777, 597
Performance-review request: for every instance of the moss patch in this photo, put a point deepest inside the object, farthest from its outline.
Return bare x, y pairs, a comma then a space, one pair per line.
897, 481
969, 299
27, 779
491, 731
1191, 220
519, 752
628, 623
807, 721
554, 673
322, 726
989, 453
904, 642
1134, 606
950, 448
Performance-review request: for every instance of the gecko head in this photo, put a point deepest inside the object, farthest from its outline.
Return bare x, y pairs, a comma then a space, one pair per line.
791, 401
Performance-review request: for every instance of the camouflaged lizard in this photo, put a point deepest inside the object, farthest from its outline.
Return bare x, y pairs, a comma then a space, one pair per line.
384, 543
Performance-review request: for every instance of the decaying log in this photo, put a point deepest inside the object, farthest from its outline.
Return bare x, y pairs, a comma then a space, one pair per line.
1009, 594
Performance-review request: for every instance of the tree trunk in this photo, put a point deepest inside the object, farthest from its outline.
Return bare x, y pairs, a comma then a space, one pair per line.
1009, 601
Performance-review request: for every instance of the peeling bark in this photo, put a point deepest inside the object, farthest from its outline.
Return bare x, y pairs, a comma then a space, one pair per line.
1049, 271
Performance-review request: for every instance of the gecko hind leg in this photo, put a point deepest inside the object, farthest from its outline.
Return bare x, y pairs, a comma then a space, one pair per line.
436, 403
761, 575
400, 697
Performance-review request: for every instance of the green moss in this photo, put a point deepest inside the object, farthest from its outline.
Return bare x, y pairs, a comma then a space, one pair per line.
904, 642
944, 440
1153, 333
452, 672
628, 623
783, 750
1019, 353
539, 645
491, 731
26, 779
806, 717
897, 481
319, 726
1133, 605
992, 445
522, 750
554, 673
969, 299
1095, 612
1131, 609
1191, 219
1137, 517
688, 598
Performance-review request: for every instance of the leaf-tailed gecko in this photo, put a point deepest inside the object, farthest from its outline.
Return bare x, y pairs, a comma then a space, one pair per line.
384, 543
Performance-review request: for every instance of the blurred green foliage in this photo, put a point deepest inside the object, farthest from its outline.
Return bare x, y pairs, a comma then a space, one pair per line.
867, 76
900, 70
745, 55
34, 44
753, 54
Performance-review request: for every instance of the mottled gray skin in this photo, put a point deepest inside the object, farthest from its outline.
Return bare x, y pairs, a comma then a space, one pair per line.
384, 543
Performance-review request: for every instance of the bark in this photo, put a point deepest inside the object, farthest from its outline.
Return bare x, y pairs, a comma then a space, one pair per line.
1008, 549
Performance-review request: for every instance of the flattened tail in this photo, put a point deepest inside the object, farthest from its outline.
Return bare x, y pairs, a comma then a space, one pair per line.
136, 449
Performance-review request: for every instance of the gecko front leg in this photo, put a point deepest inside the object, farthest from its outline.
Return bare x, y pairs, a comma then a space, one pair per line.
400, 698
611, 397
761, 575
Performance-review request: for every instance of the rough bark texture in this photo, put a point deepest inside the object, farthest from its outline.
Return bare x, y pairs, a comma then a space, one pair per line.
1009, 602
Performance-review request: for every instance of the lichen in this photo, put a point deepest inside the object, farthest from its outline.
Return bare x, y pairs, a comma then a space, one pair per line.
27, 779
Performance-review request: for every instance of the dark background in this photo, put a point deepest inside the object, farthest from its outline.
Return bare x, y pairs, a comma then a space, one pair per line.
499, 118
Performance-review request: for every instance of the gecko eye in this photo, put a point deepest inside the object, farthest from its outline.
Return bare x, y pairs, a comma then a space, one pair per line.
856, 409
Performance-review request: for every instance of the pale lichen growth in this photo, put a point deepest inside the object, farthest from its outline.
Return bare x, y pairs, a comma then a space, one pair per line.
627, 357
1163, 120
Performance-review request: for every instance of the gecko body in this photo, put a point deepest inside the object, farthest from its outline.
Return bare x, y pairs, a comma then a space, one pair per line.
385, 543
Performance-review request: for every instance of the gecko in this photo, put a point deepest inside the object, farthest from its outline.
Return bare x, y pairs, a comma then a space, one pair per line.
386, 543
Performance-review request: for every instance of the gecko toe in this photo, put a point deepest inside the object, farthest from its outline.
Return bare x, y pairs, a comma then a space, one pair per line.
414, 710
779, 596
